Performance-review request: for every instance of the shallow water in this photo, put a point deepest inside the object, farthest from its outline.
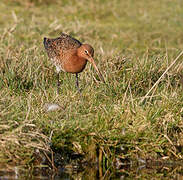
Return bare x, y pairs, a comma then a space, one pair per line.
128, 172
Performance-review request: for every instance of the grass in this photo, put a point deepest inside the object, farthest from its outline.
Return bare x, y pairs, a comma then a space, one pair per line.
134, 41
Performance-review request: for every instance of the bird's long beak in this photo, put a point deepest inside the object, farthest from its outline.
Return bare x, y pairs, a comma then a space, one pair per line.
95, 66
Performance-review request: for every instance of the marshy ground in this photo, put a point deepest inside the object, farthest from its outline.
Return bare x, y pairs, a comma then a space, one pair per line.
134, 41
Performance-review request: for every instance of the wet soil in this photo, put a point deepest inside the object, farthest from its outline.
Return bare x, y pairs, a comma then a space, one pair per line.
67, 164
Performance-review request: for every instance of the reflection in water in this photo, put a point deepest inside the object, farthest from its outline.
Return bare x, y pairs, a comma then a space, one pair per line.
142, 172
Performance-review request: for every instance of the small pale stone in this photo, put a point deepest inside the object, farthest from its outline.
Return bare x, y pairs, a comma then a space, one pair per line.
51, 107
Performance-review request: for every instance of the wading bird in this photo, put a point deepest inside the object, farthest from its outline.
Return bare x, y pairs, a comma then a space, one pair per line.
69, 55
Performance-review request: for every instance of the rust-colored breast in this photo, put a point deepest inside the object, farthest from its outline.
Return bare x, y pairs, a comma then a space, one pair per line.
74, 64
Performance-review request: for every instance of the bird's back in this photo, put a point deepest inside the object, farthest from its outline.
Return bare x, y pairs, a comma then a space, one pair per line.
61, 46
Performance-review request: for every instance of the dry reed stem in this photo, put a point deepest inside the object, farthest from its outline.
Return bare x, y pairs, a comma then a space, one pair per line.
156, 83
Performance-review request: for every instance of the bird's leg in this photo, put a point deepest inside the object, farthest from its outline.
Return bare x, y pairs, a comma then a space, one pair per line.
77, 83
58, 83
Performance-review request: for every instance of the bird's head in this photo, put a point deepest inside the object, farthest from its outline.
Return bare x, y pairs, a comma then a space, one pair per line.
87, 52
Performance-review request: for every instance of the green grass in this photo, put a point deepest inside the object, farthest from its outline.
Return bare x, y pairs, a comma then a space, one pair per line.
134, 42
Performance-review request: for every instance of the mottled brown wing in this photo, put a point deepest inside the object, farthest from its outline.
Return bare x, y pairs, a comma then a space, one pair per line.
61, 45
67, 42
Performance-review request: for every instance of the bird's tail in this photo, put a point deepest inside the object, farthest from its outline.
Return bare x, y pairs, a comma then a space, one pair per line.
46, 43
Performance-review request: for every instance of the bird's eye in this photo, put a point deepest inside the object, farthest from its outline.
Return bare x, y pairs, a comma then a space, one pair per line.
86, 52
